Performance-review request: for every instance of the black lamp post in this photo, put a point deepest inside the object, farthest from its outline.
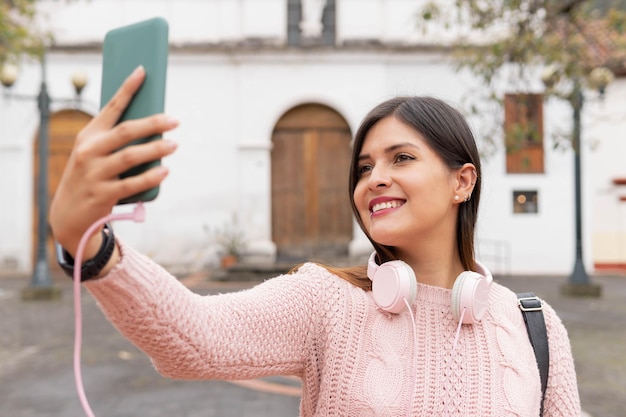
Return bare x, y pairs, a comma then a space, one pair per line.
41, 277
41, 285
578, 283
579, 274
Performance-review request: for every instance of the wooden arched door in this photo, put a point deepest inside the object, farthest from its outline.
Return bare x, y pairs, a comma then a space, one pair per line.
311, 214
64, 126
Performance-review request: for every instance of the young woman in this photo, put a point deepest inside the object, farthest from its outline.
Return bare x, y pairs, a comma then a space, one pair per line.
421, 330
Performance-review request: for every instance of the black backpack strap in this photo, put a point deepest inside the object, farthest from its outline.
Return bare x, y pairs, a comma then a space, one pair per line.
532, 310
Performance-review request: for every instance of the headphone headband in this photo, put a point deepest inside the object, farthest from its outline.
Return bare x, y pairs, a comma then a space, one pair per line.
372, 266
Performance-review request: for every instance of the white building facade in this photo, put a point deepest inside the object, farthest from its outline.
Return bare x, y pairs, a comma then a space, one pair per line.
243, 76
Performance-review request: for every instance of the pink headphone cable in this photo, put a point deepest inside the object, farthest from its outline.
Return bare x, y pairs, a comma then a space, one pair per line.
137, 215
458, 330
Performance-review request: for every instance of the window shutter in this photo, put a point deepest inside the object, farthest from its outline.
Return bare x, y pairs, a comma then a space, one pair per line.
523, 129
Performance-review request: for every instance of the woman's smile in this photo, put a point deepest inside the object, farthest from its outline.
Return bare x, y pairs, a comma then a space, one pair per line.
383, 205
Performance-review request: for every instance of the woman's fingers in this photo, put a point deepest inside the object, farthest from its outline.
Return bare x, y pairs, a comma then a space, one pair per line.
138, 183
132, 156
90, 187
121, 135
113, 110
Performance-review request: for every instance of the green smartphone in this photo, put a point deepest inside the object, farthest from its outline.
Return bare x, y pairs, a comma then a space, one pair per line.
124, 49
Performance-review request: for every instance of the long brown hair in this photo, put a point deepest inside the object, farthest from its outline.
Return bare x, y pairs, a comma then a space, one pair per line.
448, 134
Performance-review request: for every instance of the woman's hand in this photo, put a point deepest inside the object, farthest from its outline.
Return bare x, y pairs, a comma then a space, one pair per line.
90, 185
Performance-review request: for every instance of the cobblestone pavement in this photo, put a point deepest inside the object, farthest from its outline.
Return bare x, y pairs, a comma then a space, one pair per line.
36, 342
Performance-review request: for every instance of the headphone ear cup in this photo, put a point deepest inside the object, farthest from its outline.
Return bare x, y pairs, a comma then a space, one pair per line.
470, 293
392, 283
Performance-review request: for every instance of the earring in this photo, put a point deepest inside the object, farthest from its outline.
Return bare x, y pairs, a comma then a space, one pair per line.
467, 197
456, 198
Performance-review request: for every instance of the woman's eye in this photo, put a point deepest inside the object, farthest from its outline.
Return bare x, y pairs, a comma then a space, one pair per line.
404, 157
363, 169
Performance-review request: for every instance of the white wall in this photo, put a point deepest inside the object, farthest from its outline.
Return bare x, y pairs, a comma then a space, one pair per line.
228, 103
605, 160
191, 21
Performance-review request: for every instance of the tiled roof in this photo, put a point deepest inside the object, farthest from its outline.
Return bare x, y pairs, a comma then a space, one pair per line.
602, 44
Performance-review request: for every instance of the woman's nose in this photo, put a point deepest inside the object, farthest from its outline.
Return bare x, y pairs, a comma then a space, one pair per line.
379, 177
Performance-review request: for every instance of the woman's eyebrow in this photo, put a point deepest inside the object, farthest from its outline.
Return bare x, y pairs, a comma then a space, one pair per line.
401, 145
392, 148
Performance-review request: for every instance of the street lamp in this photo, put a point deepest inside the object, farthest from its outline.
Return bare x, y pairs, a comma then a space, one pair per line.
8, 75
41, 286
579, 283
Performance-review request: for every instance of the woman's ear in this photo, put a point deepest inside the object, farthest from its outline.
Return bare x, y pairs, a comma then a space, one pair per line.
466, 179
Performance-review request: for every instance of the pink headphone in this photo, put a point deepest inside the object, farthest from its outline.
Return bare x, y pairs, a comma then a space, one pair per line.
394, 281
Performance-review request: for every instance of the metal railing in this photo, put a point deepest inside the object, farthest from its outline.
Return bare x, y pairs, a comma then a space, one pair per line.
495, 254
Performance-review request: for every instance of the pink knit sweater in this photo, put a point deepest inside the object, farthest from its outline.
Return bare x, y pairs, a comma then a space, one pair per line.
353, 359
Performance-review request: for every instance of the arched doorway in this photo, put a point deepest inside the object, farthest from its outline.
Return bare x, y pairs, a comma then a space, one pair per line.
64, 126
311, 214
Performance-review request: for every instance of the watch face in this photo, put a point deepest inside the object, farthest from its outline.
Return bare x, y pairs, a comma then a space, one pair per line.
65, 261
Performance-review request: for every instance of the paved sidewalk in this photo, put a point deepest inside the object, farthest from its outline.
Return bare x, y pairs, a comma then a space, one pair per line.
36, 377
596, 327
37, 380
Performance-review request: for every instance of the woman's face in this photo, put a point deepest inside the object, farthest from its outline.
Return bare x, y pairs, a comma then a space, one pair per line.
405, 192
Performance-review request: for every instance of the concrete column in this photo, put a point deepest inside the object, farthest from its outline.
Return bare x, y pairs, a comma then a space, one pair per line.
255, 202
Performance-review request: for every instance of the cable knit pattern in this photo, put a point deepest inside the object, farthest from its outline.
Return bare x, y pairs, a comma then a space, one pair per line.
353, 359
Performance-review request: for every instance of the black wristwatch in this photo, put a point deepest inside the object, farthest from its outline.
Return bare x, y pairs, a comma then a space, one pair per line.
91, 268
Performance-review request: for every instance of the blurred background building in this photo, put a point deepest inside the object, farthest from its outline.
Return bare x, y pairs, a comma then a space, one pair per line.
269, 94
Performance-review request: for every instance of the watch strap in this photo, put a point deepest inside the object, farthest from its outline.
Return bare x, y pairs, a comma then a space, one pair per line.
92, 267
